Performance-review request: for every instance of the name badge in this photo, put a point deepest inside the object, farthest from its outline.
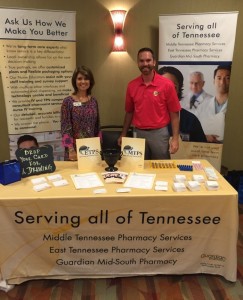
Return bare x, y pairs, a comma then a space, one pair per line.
77, 104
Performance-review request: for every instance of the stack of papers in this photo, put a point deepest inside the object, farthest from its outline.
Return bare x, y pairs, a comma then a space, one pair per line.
86, 180
193, 186
41, 187
54, 177
161, 185
179, 187
40, 183
211, 175
140, 180
61, 182
212, 185
38, 180
197, 165
198, 178
180, 178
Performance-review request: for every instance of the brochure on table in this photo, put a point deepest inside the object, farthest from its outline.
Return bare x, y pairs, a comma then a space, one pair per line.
87, 180
88, 153
133, 150
140, 180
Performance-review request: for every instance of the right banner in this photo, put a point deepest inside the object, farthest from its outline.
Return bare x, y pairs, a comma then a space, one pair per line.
196, 53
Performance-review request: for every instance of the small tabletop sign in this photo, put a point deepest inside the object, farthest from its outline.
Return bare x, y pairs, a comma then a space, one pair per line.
88, 152
36, 161
133, 150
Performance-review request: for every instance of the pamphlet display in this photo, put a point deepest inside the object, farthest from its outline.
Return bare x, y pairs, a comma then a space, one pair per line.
133, 150
88, 153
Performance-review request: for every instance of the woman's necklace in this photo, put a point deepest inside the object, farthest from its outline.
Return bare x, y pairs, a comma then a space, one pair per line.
82, 99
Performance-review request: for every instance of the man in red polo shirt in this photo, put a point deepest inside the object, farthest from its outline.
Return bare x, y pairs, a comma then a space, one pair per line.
151, 104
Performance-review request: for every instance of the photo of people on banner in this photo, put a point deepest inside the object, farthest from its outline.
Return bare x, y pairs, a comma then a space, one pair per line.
203, 93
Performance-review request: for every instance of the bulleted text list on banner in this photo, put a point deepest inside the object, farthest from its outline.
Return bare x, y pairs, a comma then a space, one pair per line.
38, 56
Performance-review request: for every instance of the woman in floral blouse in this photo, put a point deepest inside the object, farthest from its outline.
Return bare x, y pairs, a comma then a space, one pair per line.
79, 112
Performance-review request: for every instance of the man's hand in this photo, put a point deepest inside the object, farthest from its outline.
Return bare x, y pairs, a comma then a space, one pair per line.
174, 145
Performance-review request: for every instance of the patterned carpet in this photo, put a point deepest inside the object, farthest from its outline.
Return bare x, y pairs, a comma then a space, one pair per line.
198, 287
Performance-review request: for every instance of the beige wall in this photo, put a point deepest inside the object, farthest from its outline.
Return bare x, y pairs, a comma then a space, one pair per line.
113, 70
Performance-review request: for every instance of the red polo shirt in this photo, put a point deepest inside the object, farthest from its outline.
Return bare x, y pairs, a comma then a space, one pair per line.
151, 104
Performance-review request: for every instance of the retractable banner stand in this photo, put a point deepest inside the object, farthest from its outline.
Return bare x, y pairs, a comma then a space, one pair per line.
38, 56
198, 50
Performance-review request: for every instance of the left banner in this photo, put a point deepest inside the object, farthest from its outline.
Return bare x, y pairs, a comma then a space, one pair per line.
37, 59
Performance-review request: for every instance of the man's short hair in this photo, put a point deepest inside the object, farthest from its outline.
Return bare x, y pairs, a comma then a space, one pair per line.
222, 67
25, 138
146, 49
197, 73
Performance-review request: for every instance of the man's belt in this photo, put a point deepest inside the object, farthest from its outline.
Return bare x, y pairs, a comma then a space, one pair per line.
147, 129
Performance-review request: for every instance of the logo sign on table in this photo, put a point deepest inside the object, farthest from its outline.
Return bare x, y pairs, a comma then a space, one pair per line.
133, 150
36, 161
88, 153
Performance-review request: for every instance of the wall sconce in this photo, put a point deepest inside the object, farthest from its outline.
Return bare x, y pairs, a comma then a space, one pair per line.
118, 18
